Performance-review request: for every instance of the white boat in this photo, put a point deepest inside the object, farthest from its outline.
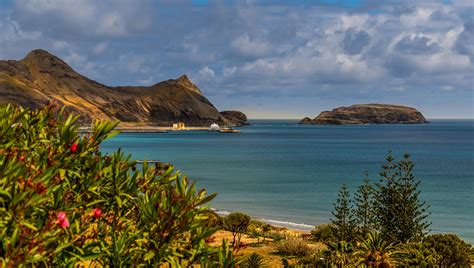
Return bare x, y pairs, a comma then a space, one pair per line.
214, 127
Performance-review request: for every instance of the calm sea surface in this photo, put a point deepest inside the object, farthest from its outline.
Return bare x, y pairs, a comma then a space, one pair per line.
289, 174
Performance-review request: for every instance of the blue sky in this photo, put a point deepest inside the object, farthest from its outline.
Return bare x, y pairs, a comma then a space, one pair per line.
270, 59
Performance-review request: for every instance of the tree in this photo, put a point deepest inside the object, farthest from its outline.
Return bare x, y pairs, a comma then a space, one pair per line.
343, 221
237, 223
265, 229
400, 215
364, 206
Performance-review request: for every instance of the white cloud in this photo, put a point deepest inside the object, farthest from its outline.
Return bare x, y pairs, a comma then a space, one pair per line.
11, 31
206, 73
100, 47
251, 47
86, 17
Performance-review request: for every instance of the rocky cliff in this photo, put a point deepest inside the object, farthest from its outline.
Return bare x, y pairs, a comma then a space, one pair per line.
236, 117
41, 77
368, 114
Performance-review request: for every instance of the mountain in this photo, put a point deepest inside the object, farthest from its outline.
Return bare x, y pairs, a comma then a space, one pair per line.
42, 77
368, 114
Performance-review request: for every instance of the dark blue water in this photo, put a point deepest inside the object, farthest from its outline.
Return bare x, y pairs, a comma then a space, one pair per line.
281, 171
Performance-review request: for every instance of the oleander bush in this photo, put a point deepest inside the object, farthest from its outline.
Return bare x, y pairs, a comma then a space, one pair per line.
64, 203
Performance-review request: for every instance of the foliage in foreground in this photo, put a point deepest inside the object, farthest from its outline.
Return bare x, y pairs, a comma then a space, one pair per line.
63, 202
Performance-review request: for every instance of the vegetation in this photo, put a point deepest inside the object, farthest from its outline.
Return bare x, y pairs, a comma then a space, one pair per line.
254, 260
451, 250
237, 223
323, 233
374, 251
296, 248
344, 222
399, 214
364, 213
63, 203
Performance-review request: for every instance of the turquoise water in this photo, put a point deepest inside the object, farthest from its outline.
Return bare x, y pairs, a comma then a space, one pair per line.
290, 174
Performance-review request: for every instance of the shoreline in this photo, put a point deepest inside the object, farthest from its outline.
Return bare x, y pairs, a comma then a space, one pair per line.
157, 129
293, 226
148, 129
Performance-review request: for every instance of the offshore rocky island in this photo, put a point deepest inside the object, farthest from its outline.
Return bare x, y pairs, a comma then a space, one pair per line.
368, 114
42, 77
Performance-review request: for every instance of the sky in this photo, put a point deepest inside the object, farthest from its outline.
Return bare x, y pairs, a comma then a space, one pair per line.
269, 59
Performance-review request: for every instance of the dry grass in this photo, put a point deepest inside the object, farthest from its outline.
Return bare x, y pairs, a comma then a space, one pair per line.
268, 249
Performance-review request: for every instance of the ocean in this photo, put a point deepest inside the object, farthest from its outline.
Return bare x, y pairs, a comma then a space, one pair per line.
289, 174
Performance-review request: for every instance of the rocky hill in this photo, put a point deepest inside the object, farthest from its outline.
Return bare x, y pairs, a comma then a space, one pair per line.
368, 114
41, 77
237, 117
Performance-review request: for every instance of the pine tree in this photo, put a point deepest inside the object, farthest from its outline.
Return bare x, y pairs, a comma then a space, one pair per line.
344, 223
400, 215
364, 206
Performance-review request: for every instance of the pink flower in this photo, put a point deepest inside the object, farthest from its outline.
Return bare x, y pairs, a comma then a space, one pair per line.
97, 213
73, 148
62, 220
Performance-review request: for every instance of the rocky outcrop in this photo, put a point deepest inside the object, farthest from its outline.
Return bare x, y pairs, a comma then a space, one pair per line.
306, 121
41, 77
369, 114
235, 118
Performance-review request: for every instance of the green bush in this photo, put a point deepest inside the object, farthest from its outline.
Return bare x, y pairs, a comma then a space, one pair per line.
63, 203
295, 248
451, 249
417, 255
323, 233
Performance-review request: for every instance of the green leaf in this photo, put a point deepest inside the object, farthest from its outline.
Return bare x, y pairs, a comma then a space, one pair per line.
149, 256
29, 225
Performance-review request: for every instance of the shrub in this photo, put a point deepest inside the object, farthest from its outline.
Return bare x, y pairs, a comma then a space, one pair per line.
323, 233
62, 202
374, 251
254, 260
451, 249
417, 255
214, 220
296, 248
276, 236
339, 253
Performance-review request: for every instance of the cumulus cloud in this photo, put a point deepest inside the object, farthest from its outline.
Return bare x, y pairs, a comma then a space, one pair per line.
417, 44
465, 42
86, 18
355, 41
